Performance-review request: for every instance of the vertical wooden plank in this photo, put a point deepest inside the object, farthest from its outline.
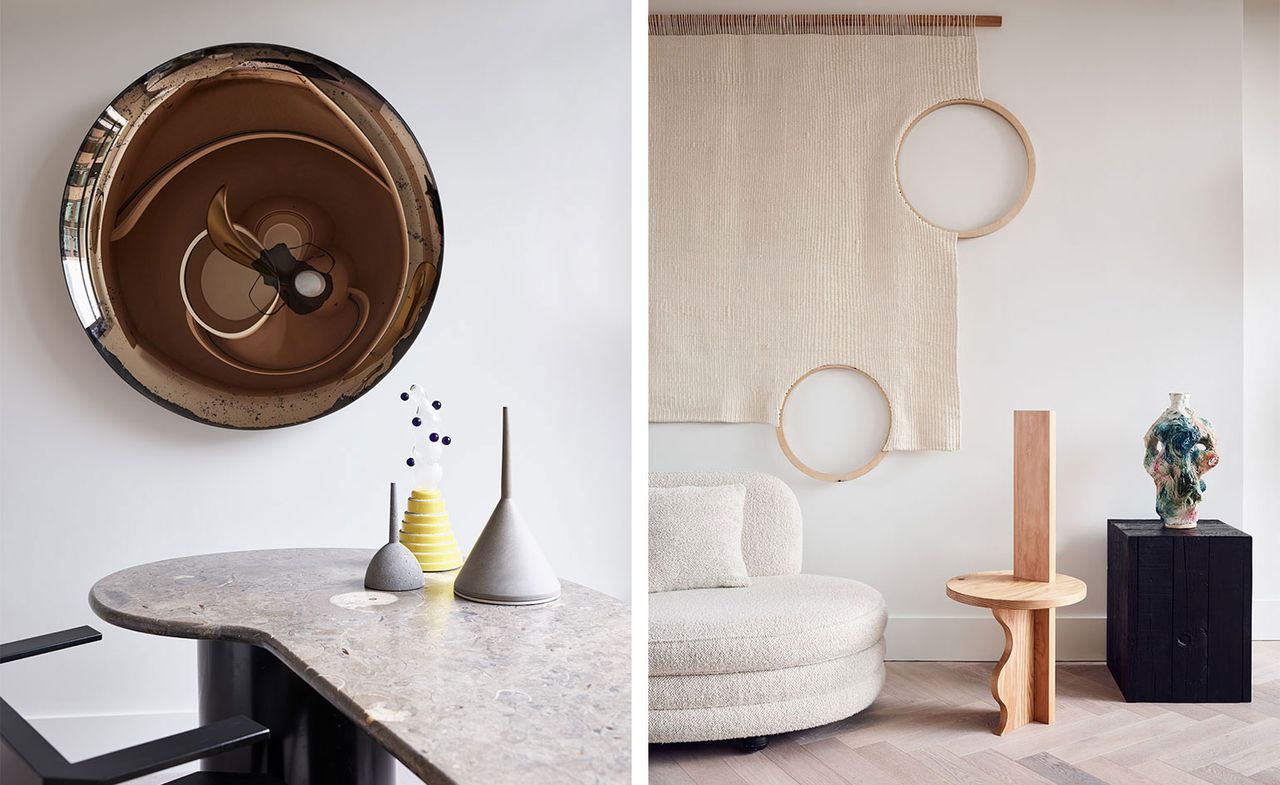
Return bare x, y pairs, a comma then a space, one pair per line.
1140, 685
1044, 663
1246, 636
1134, 663
1150, 667
1190, 581
1178, 632
1195, 618
1034, 517
1034, 558
1117, 604
1228, 650
1131, 660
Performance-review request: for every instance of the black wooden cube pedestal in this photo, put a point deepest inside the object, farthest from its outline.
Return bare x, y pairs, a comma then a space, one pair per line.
1178, 611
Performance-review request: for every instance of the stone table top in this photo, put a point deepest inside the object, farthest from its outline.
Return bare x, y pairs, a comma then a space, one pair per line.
460, 692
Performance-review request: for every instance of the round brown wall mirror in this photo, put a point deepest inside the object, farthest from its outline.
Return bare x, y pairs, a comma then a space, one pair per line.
251, 236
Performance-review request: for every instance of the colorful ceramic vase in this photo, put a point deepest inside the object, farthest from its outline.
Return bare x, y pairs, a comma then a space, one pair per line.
1181, 447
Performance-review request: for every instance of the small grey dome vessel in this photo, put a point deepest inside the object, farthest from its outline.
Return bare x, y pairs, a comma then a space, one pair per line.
393, 567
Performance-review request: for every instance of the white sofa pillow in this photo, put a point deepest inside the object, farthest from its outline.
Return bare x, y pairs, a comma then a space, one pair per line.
695, 537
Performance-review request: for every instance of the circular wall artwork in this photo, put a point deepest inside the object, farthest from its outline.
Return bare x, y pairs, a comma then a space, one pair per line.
251, 236
1028, 150
817, 474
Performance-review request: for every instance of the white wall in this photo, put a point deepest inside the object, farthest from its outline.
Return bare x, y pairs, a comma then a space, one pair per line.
1261, 317
523, 111
1118, 283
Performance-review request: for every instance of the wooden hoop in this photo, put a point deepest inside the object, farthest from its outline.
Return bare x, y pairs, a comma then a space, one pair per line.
828, 476
967, 234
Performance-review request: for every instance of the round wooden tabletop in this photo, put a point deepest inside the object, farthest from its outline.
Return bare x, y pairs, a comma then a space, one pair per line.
1000, 589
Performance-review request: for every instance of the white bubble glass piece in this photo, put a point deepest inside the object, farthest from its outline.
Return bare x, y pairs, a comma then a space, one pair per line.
426, 529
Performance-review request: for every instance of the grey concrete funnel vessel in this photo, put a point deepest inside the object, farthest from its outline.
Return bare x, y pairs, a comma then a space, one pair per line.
393, 567
506, 566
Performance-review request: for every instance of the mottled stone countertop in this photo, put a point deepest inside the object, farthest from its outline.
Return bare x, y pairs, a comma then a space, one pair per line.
459, 692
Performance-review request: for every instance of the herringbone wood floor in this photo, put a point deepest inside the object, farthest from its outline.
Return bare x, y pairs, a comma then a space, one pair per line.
932, 726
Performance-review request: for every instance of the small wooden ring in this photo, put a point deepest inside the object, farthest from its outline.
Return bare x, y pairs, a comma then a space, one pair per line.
967, 234
828, 476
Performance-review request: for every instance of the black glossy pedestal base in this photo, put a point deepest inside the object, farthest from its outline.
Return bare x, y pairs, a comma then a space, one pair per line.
312, 743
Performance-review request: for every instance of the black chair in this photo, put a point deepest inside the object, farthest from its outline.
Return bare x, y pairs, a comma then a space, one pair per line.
26, 758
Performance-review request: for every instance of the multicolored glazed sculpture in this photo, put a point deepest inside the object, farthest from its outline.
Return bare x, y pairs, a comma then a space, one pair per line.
1181, 447
425, 528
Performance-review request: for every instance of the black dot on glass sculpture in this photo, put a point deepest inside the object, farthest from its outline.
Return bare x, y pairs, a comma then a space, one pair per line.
436, 404
435, 437
417, 421
447, 440
410, 461
404, 396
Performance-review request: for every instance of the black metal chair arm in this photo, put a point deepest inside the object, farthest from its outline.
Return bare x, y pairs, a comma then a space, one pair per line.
226, 778
42, 644
153, 756
31, 751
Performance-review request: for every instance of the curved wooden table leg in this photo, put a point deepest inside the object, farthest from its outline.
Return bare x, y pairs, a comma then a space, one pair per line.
1011, 682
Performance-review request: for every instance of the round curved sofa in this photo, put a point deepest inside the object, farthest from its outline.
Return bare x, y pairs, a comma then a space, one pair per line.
788, 652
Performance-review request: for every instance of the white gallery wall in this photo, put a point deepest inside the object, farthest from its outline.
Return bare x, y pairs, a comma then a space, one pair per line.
1119, 282
524, 113
1261, 114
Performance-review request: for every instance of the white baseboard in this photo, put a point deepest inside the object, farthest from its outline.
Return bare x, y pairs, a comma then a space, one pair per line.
1080, 639
966, 638
1266, 620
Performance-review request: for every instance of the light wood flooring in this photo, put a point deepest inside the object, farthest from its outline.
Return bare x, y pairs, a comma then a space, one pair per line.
932, 726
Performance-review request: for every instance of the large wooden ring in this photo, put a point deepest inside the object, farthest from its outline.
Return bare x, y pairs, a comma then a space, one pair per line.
828, 476
965, 234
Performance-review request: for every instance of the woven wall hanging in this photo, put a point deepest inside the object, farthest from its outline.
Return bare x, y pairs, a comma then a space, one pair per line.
780, 240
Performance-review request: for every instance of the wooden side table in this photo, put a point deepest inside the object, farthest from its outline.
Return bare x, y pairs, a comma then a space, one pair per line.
1178, 611
1025, 600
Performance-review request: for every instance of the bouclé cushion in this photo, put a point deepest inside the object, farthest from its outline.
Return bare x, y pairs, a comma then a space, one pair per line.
695, 538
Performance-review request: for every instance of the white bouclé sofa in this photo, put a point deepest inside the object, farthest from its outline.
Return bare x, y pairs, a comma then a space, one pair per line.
788, 652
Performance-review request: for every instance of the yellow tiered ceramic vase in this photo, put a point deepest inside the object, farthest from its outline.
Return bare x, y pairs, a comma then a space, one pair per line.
426, 532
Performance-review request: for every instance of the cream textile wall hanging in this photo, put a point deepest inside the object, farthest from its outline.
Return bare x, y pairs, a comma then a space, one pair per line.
779, 239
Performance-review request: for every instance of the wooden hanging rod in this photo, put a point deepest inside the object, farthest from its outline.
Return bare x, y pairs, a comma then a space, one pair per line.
674, 23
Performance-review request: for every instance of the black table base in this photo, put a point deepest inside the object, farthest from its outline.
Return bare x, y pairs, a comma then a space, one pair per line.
312, 743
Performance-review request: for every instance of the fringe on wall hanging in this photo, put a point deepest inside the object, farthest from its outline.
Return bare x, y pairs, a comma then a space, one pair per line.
817, 24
